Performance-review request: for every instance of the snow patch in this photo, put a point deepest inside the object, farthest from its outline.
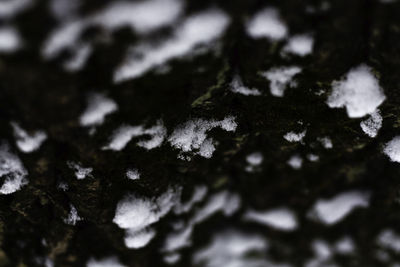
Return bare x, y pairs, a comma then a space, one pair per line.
172, 258
326, 142
322, 254
345, 246
73, 216
28, 143
10, 8
331, 211
359, 92
372, 125
392, 149
10, 40
99, 106
142, 17
78, 58
80, 172
295, 137
63, 186
231, 248
178, 239
280, 218
198, 195
280, 78
157, 134
124, 134
390, 240
225, 202
121, 137
295, 162
106, 262
181, 236
138, 239
254, 160
12, 171
191, 136
48, 262
136, 214
312, 157
198, 29
301, 45
267, 23
238, 87
64, 9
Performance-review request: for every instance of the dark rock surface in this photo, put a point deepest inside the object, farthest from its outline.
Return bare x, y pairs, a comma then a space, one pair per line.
39, 94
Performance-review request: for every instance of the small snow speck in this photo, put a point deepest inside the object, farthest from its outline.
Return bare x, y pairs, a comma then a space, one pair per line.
80, 172
345, 246
133, 174
171, 259
254, 161
295, 162
73, 216
255, 158
326, 142
63, 186
295, 137
312, 157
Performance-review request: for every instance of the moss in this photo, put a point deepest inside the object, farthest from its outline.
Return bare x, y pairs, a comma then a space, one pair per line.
204, 100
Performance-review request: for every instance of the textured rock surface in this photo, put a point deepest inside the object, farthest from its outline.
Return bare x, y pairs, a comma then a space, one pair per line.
232, 156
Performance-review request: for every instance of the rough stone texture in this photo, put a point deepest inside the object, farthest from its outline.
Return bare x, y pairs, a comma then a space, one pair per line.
39, 94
